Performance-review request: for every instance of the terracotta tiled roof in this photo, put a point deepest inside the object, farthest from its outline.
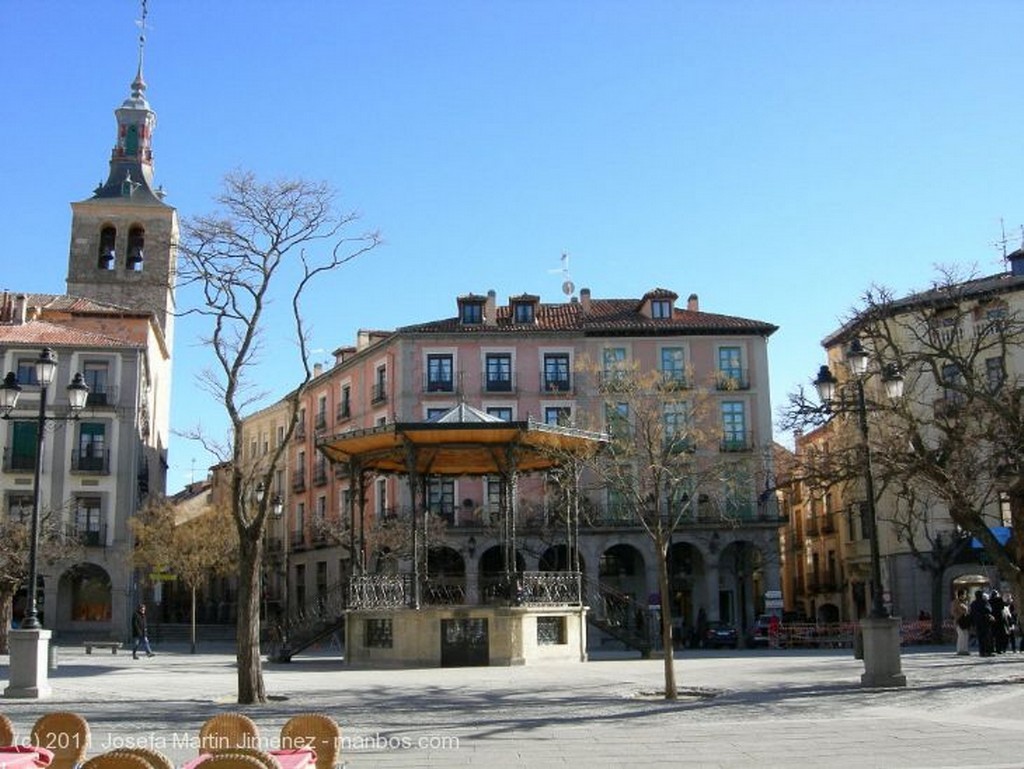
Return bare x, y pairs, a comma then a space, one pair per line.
606, 316
62, 303
937, 297
42, 333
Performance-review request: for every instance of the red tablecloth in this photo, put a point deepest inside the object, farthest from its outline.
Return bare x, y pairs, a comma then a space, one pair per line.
24, 757
299, 758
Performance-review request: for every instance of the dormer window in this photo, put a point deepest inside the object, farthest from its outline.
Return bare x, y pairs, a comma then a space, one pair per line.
522, 312
661, 308
471, 312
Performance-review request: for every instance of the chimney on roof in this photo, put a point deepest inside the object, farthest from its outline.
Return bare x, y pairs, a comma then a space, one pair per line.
20, 309
692, 303
1016, 260
491, 309
318, 369
585, 300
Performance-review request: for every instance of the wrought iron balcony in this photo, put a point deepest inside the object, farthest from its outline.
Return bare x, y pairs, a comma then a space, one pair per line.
91, 461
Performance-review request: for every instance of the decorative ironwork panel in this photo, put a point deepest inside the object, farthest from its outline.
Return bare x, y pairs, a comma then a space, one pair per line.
549, 588
380, 591
379, 634
550, 631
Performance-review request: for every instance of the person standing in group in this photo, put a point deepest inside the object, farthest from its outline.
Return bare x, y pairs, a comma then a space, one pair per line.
1012, 624
1000, 638
982, 620
140, 632
961, 614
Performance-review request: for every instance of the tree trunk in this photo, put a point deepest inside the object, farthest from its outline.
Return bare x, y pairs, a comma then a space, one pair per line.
671, 692
6, 613
193, 631
939, 603
250, 666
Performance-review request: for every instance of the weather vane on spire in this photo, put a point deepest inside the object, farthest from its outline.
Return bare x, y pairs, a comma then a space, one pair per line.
141, 24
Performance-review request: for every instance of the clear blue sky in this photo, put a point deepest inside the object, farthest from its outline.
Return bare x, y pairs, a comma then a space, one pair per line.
776, 158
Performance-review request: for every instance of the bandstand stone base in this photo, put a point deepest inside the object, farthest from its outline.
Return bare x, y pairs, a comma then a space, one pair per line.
454, 636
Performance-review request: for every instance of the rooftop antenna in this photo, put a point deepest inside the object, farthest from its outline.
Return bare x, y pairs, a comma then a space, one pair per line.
568, 287
1004, 241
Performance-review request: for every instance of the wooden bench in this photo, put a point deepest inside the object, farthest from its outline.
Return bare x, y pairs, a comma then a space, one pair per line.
112, 645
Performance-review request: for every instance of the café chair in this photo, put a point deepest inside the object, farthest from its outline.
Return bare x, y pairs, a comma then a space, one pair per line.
154, 758
266, 760
317, 731
64, 733
6, 731
116, 759
228, 730
232, 761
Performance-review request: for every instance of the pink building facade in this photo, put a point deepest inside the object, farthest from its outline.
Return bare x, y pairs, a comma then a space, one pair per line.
524, 360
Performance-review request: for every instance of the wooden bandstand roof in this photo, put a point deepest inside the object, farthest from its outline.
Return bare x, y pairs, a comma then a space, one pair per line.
464, 441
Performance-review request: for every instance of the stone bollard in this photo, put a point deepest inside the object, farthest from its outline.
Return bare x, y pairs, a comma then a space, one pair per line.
53, 656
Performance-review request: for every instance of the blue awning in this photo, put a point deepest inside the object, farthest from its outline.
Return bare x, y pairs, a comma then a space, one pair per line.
1002, 533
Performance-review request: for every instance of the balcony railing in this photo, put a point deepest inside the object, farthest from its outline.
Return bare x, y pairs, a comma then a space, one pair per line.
702, 514
379, 393
344, 412
97, 462
674, 380
555, 384
733, 442
300, 432
101, 395
732, 379
298, 480
298, 541
18, 462
320, 475
91, 537
439, 384
320, 421
498, 383
535, 588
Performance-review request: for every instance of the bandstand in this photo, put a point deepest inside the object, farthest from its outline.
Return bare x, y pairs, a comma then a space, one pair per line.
396, 620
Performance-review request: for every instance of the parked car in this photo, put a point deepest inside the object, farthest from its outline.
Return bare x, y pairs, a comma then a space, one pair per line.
759, 636
720, 634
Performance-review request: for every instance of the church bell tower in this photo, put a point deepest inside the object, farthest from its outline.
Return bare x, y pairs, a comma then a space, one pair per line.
124, 238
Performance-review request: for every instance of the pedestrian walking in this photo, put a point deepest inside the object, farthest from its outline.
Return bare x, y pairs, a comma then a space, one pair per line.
961, 614
140, 633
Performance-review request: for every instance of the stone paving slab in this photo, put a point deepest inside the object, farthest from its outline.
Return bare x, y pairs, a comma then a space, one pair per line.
770, 709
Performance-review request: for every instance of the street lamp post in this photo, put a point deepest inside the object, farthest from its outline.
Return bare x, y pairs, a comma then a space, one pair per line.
880, 631
29, 647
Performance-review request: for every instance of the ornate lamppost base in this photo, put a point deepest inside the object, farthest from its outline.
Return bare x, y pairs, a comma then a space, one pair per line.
882, 663
29, 664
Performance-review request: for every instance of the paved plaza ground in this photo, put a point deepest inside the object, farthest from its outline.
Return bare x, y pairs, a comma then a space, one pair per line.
754, 708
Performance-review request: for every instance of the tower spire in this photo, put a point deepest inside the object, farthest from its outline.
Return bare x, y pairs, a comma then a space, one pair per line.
131, 161
139, 84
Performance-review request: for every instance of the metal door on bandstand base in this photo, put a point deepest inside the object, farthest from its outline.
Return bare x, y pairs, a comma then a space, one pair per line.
464, 643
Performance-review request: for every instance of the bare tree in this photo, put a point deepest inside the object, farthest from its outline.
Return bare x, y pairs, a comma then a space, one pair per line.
193, 550
269, 241
956, 435
663, 457
54, 546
